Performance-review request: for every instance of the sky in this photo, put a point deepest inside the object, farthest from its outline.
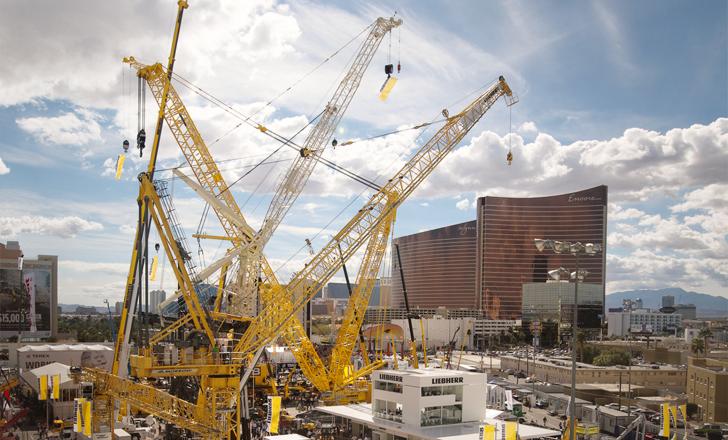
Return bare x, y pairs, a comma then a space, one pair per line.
633, 95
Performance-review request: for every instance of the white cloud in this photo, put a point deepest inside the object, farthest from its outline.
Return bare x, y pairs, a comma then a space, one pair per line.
71, 128
638, 165
3, 168
616, 212
64, 227
463, 205
528, 127
94, 266
711, 197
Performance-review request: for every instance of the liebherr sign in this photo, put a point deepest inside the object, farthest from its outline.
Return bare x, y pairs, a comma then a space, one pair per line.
390, 377
446, 380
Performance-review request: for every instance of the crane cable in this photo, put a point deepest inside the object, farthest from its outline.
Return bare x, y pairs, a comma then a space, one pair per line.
206, 210
290, 87
270, 133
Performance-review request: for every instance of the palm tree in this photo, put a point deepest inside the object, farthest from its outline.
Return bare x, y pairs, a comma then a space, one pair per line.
705, 334
580, 341
697, 346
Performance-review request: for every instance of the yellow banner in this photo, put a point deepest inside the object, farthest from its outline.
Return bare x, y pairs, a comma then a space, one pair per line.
78, 404
489, 432
43, 387
153, 272
274, 413
56, 387
87, 418
387, 88
120, 165
511, 430
665, 420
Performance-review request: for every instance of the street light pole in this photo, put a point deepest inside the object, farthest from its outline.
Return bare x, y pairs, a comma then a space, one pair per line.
576, 249
572, 413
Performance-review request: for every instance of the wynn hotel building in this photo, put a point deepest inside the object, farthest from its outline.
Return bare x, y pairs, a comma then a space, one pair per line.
483, 264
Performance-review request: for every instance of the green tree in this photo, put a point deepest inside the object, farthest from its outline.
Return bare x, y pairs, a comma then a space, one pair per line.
705, 334
697, 346
612, 357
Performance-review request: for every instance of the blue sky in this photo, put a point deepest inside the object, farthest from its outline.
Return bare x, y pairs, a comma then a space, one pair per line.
633, 95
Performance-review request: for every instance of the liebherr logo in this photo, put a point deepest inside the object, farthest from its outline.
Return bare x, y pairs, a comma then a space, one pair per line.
390, 377
444, 380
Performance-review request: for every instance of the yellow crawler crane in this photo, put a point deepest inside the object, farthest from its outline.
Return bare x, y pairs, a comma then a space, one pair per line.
212, 184
218, 406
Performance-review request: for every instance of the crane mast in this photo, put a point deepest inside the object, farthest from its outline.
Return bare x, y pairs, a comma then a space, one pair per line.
133, 285
313, 147
292, 184
353, 235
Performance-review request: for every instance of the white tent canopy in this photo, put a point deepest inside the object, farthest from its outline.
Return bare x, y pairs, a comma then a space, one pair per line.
51, 370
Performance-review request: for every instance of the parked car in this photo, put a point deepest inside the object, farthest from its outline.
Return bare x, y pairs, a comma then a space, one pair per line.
541, 404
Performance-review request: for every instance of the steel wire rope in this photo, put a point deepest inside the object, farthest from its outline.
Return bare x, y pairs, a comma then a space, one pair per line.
274, 135
354, 199
290, 87
206, 210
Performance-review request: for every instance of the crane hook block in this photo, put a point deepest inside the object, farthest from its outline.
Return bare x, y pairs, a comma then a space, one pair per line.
389, 69
141, 141
509, 158
125, 145
387, 87
334, 143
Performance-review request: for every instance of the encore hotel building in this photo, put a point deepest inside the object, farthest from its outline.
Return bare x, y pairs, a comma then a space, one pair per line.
483, 264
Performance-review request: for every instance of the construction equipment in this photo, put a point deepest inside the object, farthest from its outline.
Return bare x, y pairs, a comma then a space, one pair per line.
215, 408
212, 185
413, 341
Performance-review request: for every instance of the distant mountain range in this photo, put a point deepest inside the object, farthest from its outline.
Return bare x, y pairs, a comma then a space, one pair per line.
706, 305
71, 308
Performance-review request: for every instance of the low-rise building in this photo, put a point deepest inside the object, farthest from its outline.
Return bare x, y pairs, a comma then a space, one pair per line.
558, 370
707, 387
469, 332
426, 404
641, 321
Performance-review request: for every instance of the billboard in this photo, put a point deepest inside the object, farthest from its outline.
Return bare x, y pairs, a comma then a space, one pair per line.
35, 356
25, 302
